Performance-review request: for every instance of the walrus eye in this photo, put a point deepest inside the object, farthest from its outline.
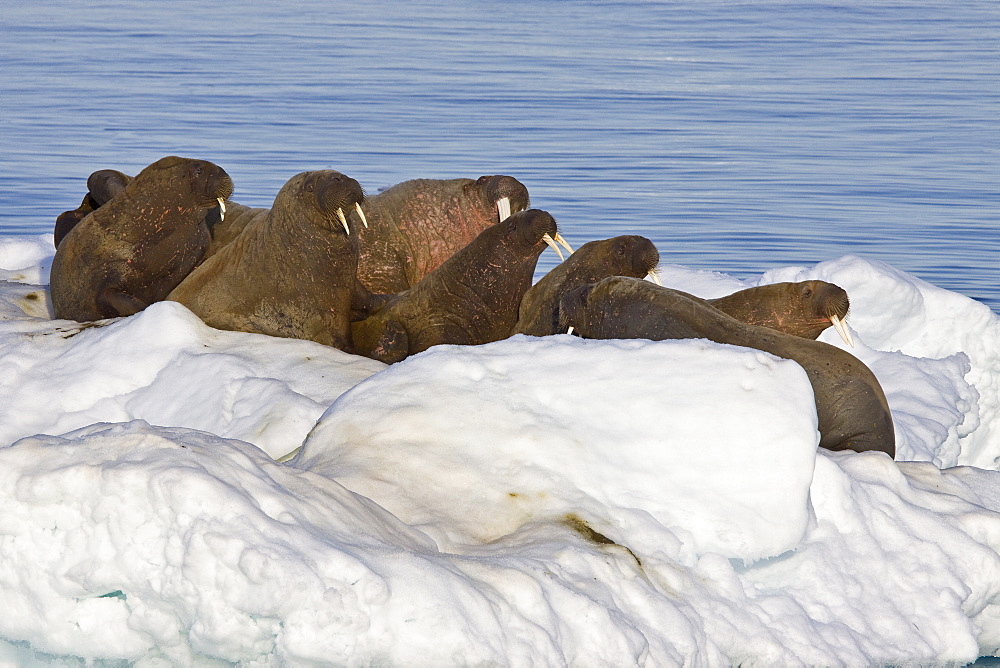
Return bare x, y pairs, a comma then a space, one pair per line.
807, 292
309, 186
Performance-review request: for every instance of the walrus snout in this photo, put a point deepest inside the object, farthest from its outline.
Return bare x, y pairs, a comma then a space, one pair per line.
336, 196
224, 187
210, 180
499, 186
639, 252
532, 226
831, 300
573, 308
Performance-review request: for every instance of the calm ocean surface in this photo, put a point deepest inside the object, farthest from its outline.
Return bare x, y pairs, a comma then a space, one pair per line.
737, 136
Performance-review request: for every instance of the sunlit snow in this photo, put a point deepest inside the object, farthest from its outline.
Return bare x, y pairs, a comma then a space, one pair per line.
537, 500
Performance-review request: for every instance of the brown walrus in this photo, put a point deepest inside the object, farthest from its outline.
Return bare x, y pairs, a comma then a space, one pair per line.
224, 222
803, 309
102, 185
627, 255
290, 272
850, 404
471, 299
138, 246
416, 225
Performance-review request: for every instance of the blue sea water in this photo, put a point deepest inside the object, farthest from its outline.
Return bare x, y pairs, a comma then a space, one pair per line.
737, 136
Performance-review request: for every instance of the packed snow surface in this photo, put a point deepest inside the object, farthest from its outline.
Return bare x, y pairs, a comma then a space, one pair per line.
178, 494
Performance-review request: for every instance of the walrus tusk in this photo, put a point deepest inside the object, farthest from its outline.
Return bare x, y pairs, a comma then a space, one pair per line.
222, 209
343, 221
552, 244
570, 330
503, 208
361, 214
655, 277
841, 328
562, 242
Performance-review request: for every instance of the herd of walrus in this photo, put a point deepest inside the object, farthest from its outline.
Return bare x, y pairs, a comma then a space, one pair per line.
423, 263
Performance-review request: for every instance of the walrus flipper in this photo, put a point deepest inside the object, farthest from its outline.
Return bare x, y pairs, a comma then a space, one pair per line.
113, 302
67, 220
365, 303
104, 184
393, 344
856, 418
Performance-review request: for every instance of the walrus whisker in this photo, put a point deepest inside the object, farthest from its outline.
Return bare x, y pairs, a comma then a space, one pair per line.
222, 209
343, 221
503, 208
562, 242
655, 277
361, 214
841, 328
552, 244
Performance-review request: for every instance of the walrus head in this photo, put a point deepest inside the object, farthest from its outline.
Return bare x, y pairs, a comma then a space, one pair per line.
211, 181
636, 256
186, 179
828, 303
336, 194
802, 309
328, 195
506, 193
534, 229
573, 309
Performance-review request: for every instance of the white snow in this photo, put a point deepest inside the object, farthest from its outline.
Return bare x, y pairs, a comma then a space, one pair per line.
546, 501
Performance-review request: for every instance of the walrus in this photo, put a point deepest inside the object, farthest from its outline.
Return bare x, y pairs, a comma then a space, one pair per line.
417, 225
472, 298
224, 221
804, 309
627, 255
850, 404
137, 247
102, 185
291, 272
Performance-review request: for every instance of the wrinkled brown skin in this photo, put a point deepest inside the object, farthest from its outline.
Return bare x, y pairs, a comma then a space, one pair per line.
224, 229
416, 225
850, 404
801, 309
102, 185
627, 255
290, 272
471, 299
137, 247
